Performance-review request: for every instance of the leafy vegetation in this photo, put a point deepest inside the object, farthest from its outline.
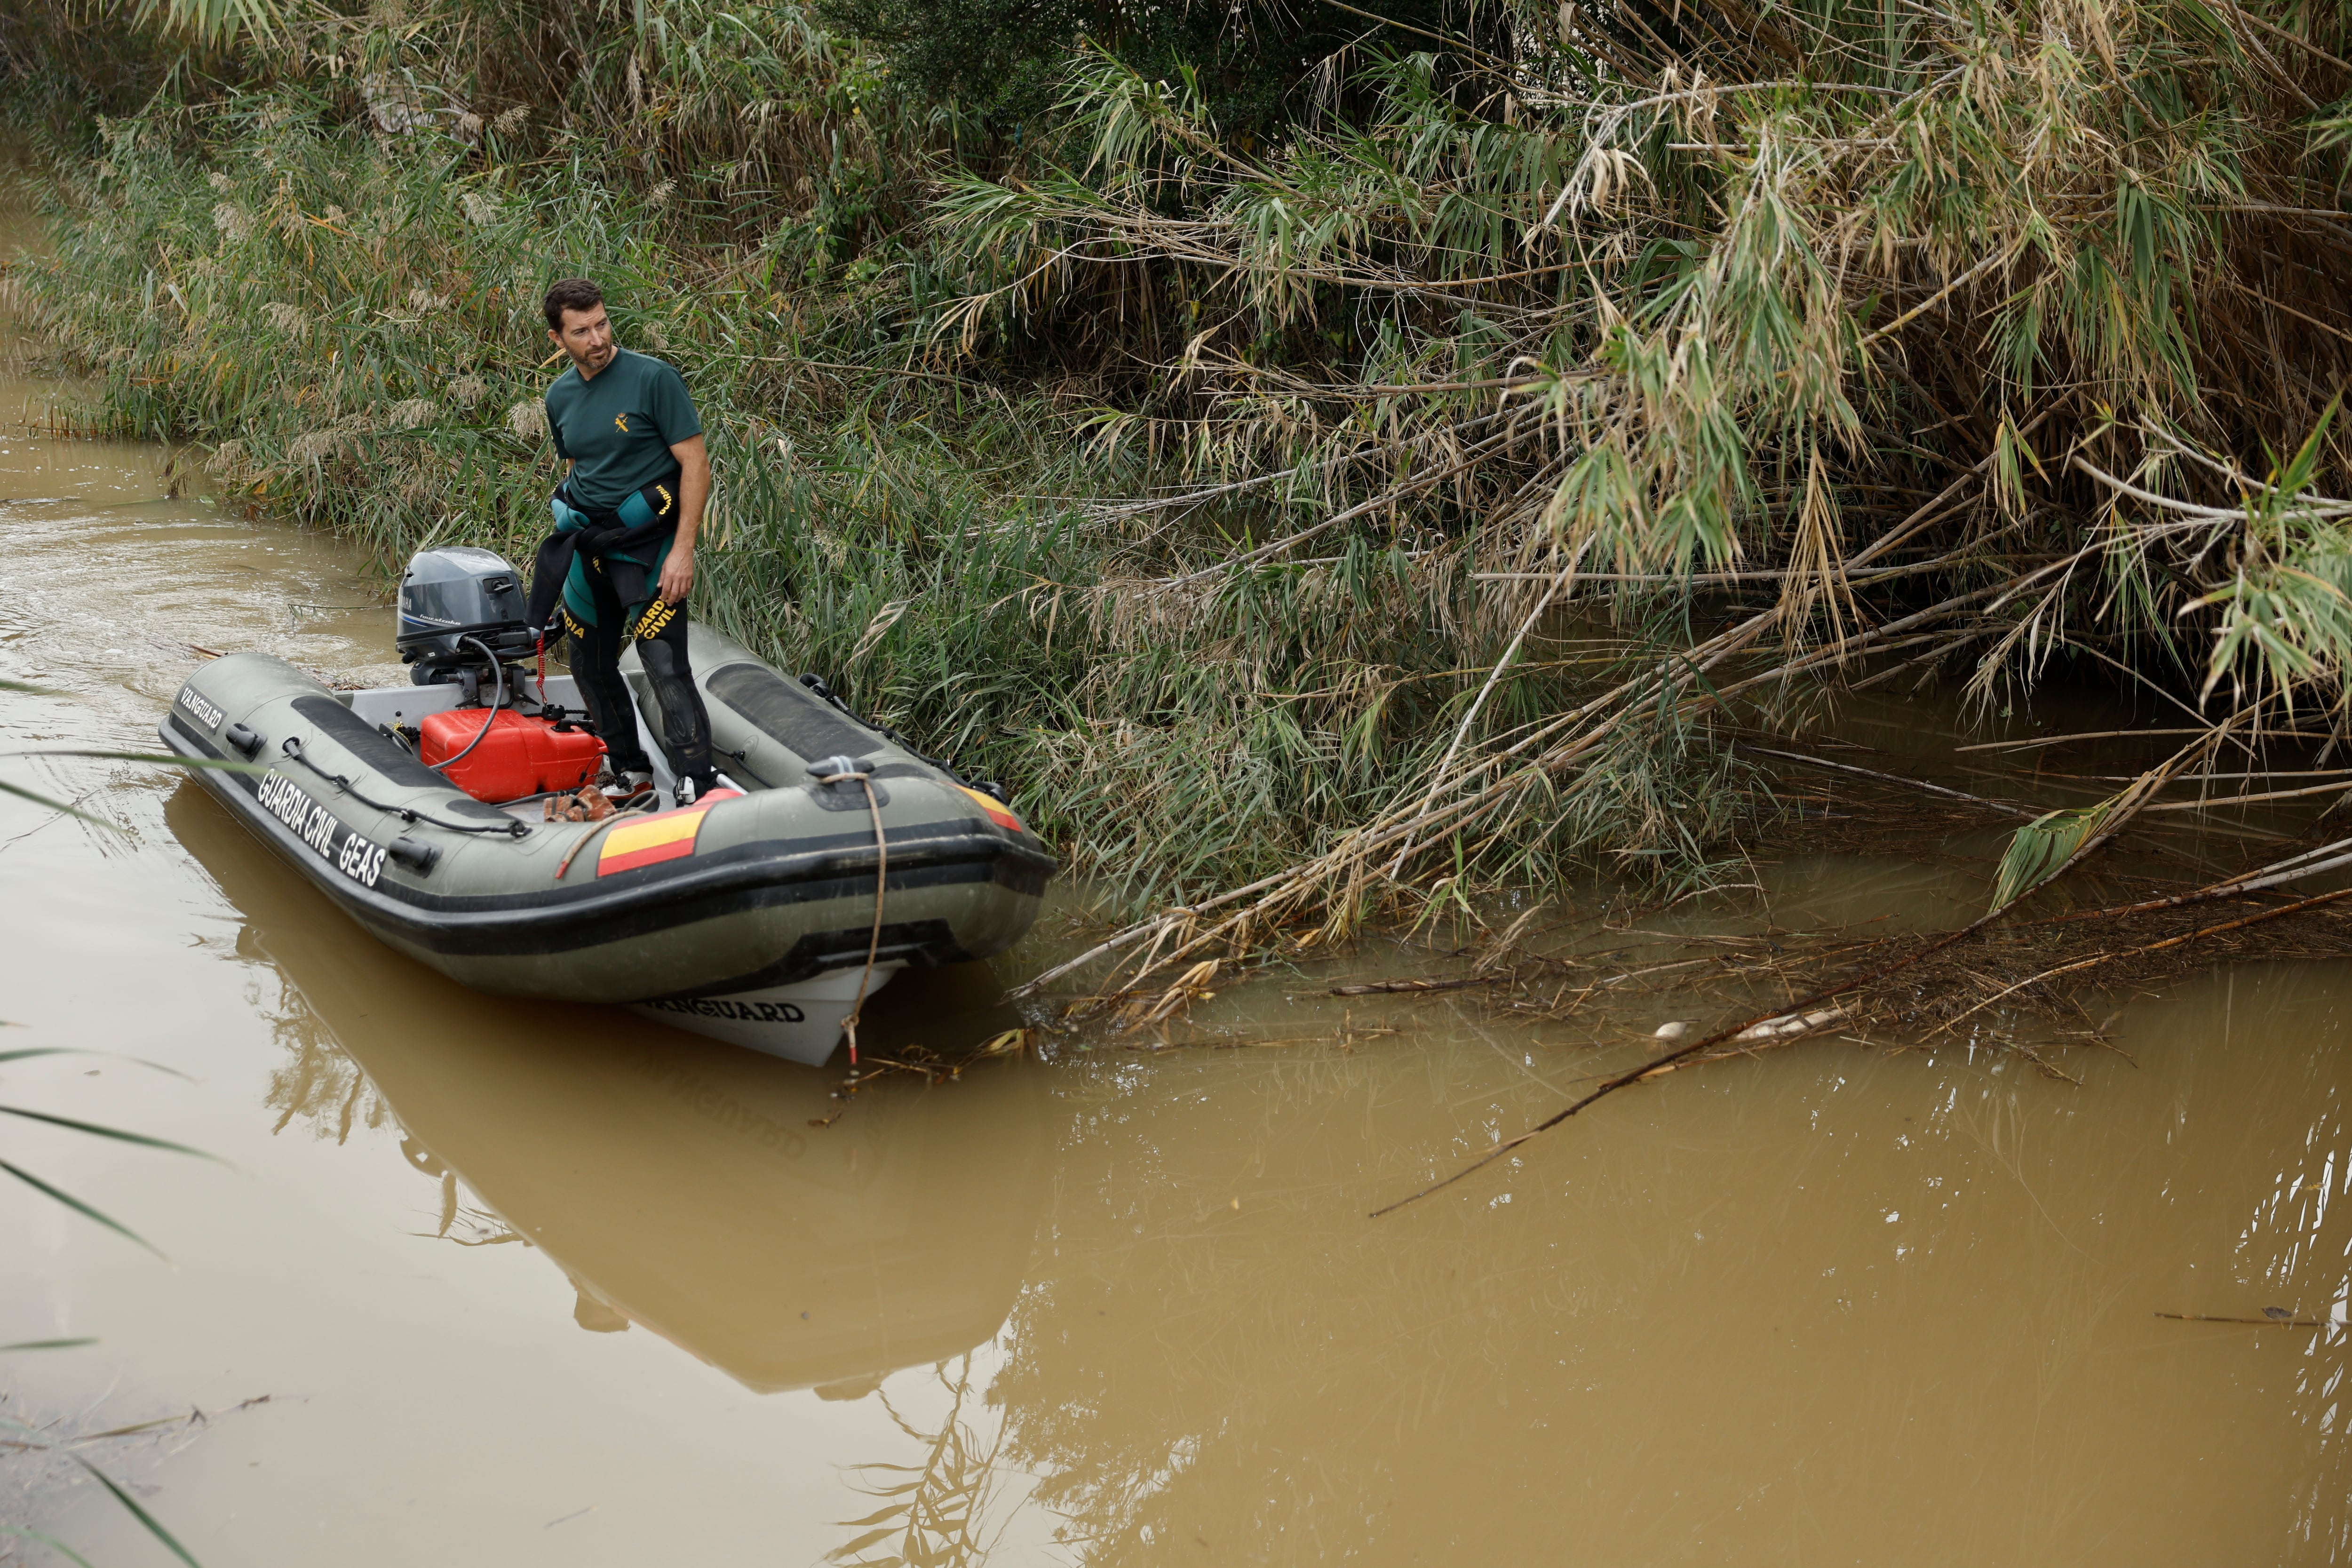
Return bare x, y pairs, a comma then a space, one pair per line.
1401, 474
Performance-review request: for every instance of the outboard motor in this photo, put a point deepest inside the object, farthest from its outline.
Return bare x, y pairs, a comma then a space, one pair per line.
462, 623
460, 609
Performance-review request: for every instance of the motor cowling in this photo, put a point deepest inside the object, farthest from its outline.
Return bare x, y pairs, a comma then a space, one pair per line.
454, 594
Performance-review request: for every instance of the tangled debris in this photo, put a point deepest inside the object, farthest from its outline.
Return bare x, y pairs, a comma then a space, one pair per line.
2030, 975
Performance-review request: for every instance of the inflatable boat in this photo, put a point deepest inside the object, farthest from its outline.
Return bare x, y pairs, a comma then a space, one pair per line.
762, 913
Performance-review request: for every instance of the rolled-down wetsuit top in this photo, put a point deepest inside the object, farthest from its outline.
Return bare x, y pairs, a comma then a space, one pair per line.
628, 545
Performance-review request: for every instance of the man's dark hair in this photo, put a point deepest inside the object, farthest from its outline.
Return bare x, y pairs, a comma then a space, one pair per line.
569, 294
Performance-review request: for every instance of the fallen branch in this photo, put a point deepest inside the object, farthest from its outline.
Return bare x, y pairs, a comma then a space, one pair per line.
1652, 1069
2149, 781
1897, 779
1413, 987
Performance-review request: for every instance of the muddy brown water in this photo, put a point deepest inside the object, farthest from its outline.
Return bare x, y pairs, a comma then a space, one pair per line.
479, 1281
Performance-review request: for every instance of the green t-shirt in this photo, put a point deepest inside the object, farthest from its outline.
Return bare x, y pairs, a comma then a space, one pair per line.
618, 428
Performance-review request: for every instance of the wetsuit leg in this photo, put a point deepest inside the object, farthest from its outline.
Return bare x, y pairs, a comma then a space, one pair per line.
660, 633
596, 665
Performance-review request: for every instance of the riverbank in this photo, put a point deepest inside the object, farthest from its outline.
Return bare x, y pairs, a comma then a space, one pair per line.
1322, 518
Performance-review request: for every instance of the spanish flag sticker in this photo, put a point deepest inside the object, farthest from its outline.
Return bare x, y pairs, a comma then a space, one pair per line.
995, 809
666, 835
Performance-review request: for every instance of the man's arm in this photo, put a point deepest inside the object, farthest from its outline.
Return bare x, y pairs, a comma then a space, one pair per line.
693, 489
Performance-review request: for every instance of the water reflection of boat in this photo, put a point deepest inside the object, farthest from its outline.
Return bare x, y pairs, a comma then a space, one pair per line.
679, 1182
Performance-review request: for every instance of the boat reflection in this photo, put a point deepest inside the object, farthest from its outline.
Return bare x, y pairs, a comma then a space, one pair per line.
683, 1185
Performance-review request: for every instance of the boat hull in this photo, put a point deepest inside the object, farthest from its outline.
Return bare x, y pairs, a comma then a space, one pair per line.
741, 898
801, 1022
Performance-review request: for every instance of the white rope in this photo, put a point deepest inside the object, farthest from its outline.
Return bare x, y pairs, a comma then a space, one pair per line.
881, 877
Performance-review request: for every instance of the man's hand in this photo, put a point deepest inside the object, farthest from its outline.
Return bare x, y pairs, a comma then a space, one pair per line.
677, 574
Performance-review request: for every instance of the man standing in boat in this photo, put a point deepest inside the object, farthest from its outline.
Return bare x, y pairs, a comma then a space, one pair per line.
619, 565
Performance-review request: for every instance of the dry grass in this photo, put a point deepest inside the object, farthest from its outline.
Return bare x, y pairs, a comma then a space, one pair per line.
1966, 352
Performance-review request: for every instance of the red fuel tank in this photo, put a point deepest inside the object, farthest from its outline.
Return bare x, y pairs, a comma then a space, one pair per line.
520, 757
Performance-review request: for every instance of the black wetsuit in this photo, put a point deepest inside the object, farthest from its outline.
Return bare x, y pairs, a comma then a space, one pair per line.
616, 564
